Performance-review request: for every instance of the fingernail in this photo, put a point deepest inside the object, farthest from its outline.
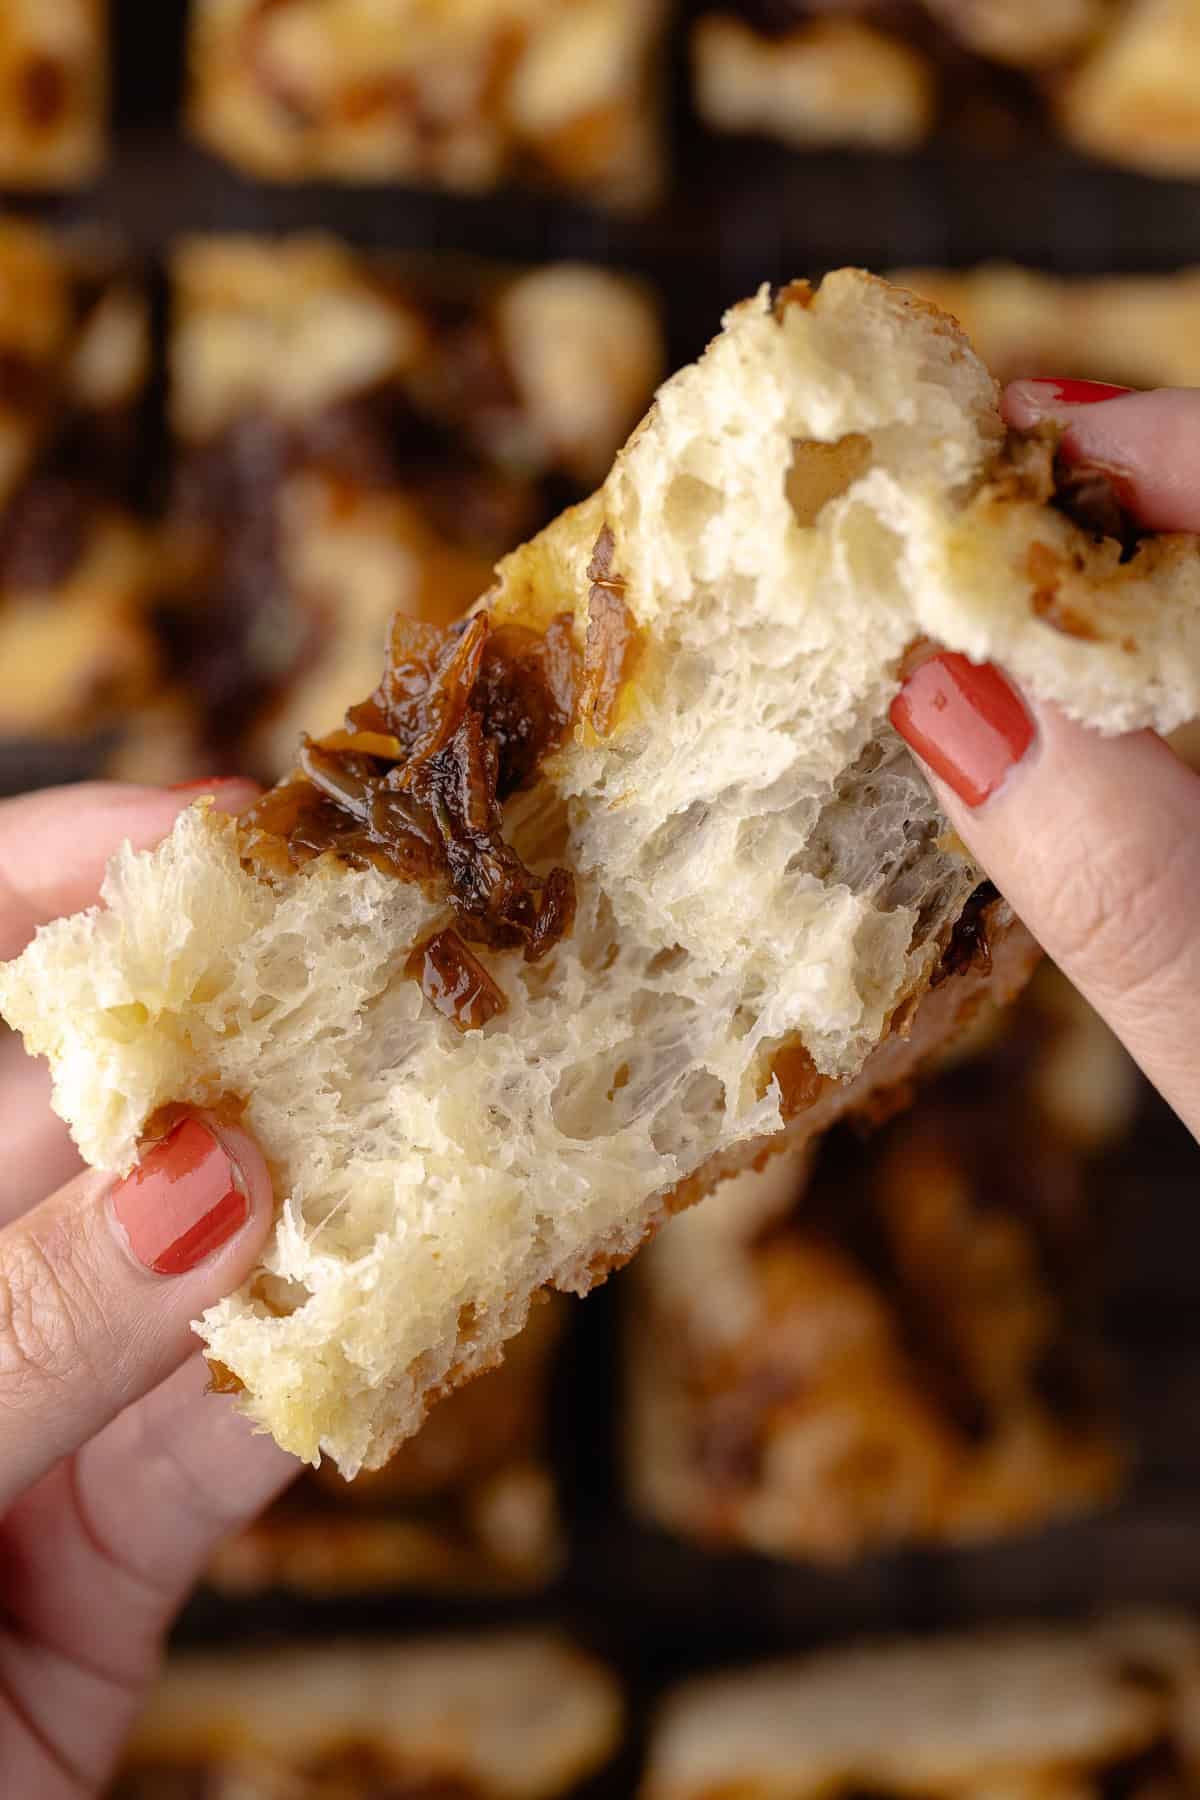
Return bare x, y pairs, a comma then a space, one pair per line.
965, 721
1079, 393
183, 1201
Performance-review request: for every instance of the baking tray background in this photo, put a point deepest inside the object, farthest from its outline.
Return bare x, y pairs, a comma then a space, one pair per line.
740, 214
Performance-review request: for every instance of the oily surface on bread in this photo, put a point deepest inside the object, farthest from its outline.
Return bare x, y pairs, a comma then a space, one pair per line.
763, 887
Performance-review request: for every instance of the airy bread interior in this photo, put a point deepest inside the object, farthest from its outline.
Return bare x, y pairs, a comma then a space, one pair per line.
764, 882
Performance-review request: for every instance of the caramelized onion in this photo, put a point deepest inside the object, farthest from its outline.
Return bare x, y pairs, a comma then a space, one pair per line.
416, 782
455, 982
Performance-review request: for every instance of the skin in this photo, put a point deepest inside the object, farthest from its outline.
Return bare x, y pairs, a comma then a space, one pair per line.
1096, 841
119, 1473
104, 1418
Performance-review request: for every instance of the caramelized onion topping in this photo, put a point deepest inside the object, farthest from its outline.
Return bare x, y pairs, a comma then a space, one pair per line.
222, 1380
969, 946
455, 981
415, 783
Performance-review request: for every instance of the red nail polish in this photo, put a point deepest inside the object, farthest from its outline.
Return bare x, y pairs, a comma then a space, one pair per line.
1081, 393
965, 721
182, 1202
208, 786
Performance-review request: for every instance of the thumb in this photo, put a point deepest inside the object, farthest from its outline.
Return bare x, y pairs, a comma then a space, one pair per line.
1094, 841
99, 1285
1147, 444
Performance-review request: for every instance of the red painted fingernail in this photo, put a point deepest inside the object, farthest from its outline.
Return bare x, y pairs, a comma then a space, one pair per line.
965, 721
1080, 393
209, 786
182, 1202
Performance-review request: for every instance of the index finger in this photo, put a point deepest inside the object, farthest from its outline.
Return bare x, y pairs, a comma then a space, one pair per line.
54, 846
1149, 444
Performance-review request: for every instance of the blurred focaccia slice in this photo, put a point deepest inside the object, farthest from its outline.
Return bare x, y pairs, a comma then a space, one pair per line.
1068, 1713
466, 94
53, 91
1115, 77
1135, 330
820, 78
1136, 99
895, 1341
518, 1717
78, 649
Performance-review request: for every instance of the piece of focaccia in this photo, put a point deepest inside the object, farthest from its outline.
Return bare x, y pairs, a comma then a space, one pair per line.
53, 91
826, 80
1137, 330
464, 94
516, 1717
1114, 76
78, 651
1081, 1711
898, 1342
621, 882
1136, 100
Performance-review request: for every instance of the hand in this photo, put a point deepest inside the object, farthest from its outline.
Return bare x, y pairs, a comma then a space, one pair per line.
1094, 841
118, 1471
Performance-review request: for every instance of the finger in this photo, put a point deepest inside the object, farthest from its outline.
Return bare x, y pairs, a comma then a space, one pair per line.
55, 846
53, 849
38, 1153
110, 1544
1149, 444
1094, 841
99, 1285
